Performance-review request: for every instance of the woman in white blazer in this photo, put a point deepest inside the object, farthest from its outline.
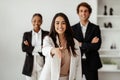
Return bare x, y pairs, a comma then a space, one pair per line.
62, 53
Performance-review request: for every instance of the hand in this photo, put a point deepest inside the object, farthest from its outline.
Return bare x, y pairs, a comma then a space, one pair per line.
95, 40
26, 43
57, 51
80, 44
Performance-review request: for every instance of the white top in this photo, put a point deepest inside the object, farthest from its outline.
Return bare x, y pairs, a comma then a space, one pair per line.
84, 28
36, 41
51, 69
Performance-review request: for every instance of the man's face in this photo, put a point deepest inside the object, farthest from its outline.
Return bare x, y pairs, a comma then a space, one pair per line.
83, 13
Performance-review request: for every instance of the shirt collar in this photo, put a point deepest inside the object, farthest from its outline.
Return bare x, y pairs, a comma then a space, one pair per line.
85, 25
33, 32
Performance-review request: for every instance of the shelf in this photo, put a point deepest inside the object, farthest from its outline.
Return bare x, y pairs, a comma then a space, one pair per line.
109, 70
110, 50
110, 29
110, 56
109, 53
108, 16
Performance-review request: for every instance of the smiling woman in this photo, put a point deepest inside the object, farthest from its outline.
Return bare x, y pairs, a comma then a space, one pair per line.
31, 45
61, 51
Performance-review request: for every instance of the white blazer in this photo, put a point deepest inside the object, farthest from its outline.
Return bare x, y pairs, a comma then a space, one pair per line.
51, 69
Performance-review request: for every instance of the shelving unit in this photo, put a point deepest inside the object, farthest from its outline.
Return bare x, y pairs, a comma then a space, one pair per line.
110, 48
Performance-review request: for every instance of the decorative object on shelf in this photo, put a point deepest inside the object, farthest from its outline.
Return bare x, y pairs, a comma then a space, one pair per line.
111, 11
109, 25
113, 46
105, 25
105, 10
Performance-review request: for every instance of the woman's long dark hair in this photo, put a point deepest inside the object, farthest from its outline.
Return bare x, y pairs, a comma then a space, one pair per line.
68, 33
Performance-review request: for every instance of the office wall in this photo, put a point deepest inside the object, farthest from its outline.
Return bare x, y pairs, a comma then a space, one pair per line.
15, 18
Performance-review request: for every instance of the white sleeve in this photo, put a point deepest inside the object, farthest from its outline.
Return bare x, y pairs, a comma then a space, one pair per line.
79, 64
47, 46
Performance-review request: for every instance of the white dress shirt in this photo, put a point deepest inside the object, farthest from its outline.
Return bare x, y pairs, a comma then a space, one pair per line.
36, 41
84, 28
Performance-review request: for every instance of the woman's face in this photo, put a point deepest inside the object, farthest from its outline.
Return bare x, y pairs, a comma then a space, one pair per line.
36, 22
60, 25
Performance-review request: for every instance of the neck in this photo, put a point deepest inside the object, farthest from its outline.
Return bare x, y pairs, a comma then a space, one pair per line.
61, 37
62, 41
36, 30
84, 22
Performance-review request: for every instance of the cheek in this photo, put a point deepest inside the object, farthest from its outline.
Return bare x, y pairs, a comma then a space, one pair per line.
64, 27
55, 28
33, 24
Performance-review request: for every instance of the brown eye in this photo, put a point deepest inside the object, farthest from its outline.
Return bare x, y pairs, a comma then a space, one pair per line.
81, 10
63, 22
57, 22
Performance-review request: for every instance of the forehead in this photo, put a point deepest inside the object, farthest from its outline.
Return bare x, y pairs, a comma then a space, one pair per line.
37, 17
59, 18
83, 8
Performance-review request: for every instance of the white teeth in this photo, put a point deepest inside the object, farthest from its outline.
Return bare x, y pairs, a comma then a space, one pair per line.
83, 16
59, 29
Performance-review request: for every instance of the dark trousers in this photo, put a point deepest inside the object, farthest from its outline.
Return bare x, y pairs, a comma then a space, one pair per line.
89, 74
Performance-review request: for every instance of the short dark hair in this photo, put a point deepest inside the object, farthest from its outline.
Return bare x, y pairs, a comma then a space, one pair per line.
85, 5
37, 14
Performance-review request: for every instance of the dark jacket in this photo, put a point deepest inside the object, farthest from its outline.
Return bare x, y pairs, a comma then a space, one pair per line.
28, 64
89, 49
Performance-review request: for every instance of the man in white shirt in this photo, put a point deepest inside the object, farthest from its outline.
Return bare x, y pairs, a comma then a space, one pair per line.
89, 37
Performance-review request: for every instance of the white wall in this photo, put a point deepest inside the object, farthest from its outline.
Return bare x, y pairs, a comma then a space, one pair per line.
15, 18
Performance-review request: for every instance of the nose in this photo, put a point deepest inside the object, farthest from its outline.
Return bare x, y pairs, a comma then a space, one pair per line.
60, 25
36, 23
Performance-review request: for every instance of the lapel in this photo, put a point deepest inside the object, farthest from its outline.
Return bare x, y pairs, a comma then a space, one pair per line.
88, 31
42, 32
79, 31
72, 66
29, 37
55, 67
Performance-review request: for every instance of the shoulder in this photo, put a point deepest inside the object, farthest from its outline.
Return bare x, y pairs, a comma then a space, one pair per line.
28, 32
77, 24
47, 38
94, 25
45, 32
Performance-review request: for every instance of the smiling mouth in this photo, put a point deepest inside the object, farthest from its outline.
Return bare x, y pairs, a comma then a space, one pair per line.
60, 29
